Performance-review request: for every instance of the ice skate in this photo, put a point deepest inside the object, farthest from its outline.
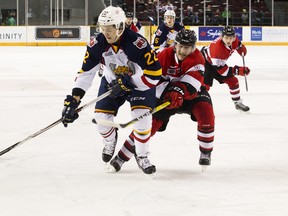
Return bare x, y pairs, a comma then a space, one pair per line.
145, 165
115, 165
241, 107
109, 149
205, 160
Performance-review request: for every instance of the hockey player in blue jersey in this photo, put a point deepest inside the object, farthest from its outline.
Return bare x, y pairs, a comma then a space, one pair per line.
166, 32
131, 70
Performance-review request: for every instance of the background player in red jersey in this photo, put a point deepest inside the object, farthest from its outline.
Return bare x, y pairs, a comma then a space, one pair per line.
182, 85
132, 22
129, 77
216, 55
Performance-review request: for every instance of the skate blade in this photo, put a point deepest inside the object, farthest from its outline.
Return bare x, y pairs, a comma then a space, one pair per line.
243, 112
150, 176
204, 168
109, 168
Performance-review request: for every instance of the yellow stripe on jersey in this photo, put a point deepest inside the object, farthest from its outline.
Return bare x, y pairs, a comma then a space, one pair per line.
153, 73
80, 71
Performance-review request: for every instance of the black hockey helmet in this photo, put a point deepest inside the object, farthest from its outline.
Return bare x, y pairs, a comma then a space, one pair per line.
186, 37
129, 14
228, 30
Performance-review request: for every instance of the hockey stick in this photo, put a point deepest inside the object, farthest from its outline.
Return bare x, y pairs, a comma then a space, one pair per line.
246, 84
53, 124
124, 125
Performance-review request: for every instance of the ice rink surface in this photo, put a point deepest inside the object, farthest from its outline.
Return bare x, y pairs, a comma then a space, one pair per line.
61, 173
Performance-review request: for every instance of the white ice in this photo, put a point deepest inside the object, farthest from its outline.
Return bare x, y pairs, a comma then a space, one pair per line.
60, 172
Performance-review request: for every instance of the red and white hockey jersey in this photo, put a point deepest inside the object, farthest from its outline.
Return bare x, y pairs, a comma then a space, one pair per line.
217, 54
189, 71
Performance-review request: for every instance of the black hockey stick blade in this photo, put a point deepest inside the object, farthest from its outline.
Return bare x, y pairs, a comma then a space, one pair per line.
124, 125
246, 84
53, 124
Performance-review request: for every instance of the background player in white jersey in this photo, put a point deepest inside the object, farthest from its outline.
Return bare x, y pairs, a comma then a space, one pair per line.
131, 70
216, 55
182, 85
165, 34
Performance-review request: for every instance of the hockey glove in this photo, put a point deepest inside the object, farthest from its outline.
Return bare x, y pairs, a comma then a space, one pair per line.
68, 113
175, 95
120, 86
241, 49
241, 71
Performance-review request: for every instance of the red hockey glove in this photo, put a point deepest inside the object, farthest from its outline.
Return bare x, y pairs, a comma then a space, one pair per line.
241, 71
175, 96
241, 49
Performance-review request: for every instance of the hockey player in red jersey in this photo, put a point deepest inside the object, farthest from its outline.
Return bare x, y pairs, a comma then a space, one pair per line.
131, 71
132, 22
216, 55
165, 34
182, 85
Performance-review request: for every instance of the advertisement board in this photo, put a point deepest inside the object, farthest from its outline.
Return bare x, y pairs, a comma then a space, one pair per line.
211, 33
256, 33
57, 33
12, 34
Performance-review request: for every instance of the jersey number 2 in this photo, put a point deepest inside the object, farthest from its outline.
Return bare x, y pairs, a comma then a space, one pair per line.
150, 57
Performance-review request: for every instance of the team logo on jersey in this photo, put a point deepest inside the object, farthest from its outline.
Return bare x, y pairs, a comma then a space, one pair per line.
159, 32
93, 41
220, 62
173, 70
140, 43
120, 70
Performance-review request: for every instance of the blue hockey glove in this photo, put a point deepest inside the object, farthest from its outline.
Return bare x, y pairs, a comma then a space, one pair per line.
120, 86
68, 113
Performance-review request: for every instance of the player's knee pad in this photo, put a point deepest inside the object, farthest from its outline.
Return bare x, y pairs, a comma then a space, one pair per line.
144, 124
232, 82
204, 114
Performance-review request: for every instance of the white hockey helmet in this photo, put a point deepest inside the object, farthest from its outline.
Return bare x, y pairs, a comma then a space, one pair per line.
169, 13
112, 16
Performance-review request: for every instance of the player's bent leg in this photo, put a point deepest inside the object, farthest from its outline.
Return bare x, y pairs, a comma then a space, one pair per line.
126, 152
128, 149
234, 88
142, 134
204, 114
109, 135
